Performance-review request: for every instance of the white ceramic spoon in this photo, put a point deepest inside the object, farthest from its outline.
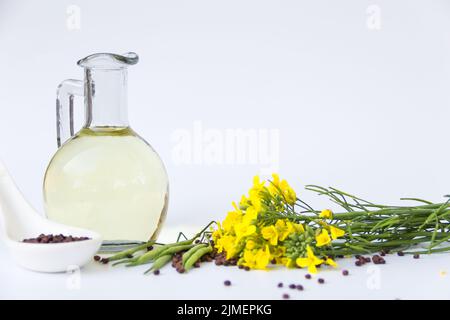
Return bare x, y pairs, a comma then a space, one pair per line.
21, 221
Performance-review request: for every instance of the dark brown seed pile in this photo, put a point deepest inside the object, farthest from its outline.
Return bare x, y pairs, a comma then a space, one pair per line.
221, 260
50, 238
177, 262
360, 260
376, 259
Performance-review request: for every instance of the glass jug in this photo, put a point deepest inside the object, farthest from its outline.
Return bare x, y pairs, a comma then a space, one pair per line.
105, 177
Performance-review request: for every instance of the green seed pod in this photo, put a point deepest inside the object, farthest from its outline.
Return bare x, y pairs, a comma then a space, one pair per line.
159, 263
191, 251
131, 251
196, 256
155, 253
125, 261
173, 250
149, 256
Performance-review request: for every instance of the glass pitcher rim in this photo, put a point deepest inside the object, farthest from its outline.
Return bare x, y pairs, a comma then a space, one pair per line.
108, 61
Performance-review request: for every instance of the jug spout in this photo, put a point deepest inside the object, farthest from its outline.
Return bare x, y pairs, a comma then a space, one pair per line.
104, 90
109, 60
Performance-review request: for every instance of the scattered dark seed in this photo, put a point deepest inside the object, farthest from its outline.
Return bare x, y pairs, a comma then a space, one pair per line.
247, 268
286, 296
280, 285
321, 281
416, 256
358, 263
308, 276
97, 258
299, 287
227, 283
400, 254
292, 286
345, 272
156, 272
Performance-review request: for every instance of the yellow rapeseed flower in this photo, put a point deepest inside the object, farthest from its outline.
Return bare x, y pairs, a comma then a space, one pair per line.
232, 218
249, 258
255, 199
258, 186
250, 244
288, 262
288, 192
262, 258
250, 215
331, 262
270, 233
336, 232
284, 229
225, 243
310, 261
243, 230
323, 238
244, 203
218, 233
275, 184
257, 259
294, 227
327, 214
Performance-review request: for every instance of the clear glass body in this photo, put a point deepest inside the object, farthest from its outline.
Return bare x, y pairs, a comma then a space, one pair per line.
106, 177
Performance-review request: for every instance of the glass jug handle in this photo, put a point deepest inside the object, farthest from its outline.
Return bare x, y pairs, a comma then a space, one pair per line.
65, 95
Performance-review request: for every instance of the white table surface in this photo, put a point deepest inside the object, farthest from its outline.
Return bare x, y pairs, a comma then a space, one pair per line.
400, 278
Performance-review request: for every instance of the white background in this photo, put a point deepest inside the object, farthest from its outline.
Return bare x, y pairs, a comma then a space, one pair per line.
363, 109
